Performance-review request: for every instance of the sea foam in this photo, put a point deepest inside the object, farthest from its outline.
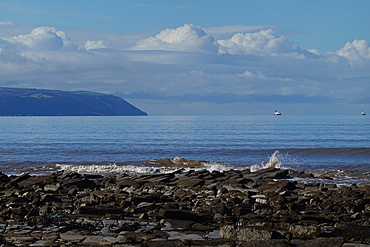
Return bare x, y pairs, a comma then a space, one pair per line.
142, 169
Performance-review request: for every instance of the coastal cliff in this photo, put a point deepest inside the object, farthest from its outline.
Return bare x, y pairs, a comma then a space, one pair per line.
41, 102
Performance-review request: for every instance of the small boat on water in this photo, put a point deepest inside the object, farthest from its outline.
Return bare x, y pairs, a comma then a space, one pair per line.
277, 113
363, 113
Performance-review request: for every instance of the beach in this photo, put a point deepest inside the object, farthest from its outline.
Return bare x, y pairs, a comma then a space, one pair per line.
236, 207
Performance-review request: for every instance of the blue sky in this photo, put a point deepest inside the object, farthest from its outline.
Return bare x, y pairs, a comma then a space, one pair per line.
194, 57
325, 25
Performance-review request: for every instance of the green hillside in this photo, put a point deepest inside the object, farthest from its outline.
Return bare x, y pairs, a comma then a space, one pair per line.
40, 102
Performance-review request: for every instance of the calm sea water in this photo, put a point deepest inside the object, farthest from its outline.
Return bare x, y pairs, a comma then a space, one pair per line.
304, 142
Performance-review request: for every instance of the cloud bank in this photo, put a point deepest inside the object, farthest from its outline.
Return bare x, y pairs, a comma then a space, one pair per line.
192, 70
95, 44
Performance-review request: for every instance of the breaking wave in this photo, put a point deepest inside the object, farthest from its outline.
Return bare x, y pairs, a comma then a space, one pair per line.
274, 162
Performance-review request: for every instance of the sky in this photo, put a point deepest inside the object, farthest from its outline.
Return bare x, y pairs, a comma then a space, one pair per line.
204, 57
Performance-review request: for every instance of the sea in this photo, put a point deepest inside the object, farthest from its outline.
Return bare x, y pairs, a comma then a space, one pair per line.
337, 145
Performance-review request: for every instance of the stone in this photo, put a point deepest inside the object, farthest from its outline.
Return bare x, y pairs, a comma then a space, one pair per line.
245, 233
355, 245
111, 240
265, 243
100, 210
272, 173
79, 183
211, 209
302, 231
318, 242
40, 243
72, 237
20, 178
52, 187
189, 182
173, 224
174, 235
351, 231
66, 174
179, 215
94, 240
165, 243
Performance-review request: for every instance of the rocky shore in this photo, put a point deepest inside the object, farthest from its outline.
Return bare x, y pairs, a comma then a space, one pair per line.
196, 208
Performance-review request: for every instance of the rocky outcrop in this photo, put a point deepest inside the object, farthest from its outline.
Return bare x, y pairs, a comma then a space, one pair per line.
196, 208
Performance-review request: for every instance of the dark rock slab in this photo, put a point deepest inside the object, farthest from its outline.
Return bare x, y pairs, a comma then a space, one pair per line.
165, 243
180, 215
318, 242
100, 211
351, 231
265, 243
78, 183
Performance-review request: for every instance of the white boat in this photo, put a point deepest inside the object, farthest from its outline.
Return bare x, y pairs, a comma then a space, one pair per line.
276, 113
363, 113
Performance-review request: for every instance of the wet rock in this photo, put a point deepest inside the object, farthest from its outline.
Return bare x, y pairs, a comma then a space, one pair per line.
66, 174
20, 178
272, 173
4, 179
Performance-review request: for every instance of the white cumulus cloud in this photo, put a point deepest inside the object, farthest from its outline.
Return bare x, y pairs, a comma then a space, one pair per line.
262, 43
44, 38
356, 52
187, 38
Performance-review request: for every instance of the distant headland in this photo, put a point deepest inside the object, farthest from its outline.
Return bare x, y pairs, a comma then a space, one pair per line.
42, 102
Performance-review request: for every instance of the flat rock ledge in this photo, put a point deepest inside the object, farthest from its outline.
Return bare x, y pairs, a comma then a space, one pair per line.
197, 208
